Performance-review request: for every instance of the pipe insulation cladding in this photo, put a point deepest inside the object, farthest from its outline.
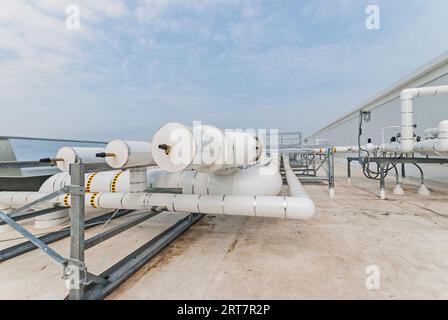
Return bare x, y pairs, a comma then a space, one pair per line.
296, 208
176, 147
127, 154
295, 187
436, 146
407, 97
262, 179
67, 155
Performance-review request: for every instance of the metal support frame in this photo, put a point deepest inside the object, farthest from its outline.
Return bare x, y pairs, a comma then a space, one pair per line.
77, 229
29, 215
384, 162
330, 162
27, 246
74, 267
121, 271
307, 163
97, 239
36, 241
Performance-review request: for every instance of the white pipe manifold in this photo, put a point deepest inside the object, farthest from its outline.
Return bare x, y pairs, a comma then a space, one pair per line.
407, 122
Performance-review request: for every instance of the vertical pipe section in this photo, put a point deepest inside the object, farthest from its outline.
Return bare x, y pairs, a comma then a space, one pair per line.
407, 97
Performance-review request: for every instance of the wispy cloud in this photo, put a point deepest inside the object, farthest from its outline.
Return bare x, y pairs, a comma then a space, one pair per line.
136, 64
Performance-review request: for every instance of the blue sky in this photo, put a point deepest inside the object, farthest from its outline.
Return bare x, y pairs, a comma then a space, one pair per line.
135, 65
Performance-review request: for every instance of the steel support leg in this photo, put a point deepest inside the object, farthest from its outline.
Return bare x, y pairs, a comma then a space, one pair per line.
382, 182
330, 156
349, 171
77, 231
403, 172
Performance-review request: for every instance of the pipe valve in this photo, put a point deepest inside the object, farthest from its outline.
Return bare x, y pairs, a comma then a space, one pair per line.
105, 155
51, 161
165, 147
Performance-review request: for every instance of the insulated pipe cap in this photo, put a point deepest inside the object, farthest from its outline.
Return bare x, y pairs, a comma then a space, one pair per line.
121, 151
182, 145
69, 155
123, 154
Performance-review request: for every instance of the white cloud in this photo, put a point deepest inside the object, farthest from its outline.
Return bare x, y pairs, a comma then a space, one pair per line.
39, 47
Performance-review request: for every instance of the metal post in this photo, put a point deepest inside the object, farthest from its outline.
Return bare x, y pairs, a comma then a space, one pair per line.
77, 230
349, 171
382, 182
330, 159
403, 172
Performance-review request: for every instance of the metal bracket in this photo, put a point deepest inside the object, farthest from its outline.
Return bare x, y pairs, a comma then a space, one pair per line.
85, 278
76, 190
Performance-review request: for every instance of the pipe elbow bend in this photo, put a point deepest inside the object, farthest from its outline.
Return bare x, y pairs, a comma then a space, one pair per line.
300, 208
409, 94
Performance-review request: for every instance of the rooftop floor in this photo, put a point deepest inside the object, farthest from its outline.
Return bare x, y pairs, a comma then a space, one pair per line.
227, 257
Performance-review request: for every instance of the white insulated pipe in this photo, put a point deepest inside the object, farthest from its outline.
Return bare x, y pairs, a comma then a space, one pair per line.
407, 97
392, 147
437, 146
434, 146
344, 149
295, 187
67, 155
128, 154
263, 179
176, 147
431, 133
297, 208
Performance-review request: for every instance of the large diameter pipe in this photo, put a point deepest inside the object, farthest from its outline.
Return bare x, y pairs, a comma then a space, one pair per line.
407, 97
176, 147
67, 155
127, 154
263, 179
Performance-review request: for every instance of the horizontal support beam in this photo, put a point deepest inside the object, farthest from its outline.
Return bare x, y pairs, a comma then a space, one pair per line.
27, 246
24, 216
121, 271
99, 238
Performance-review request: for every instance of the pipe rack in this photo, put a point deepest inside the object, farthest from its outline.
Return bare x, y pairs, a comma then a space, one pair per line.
384, 162
83, 284
309, 160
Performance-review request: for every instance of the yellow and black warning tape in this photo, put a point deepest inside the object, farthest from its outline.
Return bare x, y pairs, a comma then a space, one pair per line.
113, 184
89, 181
92, 199
66, 197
